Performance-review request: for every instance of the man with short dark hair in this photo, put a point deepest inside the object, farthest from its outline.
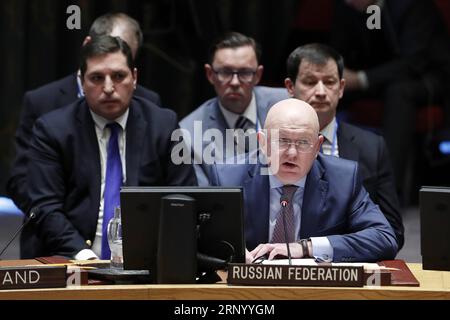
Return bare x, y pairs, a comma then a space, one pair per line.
234, 70
119, 25
63, 92
82, 153
315, 75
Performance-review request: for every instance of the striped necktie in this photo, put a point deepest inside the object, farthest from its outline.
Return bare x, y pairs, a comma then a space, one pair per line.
278, 235
240, 139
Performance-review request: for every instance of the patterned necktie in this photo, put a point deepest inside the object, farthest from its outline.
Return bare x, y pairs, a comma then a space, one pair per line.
113, 182
243, 123
278, 235
240, 139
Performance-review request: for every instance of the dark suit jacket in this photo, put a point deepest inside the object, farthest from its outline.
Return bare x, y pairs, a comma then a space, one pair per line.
370, 151
64, 172
334, 205
35, 104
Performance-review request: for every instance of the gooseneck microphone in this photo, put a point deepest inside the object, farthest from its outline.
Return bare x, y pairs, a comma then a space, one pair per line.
284, 201
31, 216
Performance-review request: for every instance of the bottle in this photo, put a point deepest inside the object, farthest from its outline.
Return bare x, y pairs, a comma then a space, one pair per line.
115, 240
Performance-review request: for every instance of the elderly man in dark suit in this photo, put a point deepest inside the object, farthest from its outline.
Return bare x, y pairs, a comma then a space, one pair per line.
82, 153
328, 215
315, 76
63, 92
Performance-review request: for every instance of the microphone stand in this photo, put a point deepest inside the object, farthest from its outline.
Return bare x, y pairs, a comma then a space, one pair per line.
284, 202
31, 217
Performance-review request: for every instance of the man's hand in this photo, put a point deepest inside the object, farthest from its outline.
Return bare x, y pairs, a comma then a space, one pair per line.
248, 256
275, 250
352, 81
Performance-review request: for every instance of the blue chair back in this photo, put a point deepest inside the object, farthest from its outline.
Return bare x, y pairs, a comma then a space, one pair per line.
11, 218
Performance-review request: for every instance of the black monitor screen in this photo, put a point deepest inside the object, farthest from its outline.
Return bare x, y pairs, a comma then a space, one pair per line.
435, 227
219, 214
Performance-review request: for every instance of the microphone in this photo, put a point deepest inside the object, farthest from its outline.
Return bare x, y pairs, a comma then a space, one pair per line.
284, 201
31, 216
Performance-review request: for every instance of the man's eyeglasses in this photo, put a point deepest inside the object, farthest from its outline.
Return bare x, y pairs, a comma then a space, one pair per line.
303, 146
226, 75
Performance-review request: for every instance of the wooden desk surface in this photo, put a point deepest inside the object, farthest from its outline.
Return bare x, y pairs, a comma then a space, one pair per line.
433, 285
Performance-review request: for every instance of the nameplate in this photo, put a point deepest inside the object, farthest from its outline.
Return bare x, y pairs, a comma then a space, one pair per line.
32, 277
284, 275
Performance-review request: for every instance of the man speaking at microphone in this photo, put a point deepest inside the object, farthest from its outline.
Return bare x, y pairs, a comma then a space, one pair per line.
328, 214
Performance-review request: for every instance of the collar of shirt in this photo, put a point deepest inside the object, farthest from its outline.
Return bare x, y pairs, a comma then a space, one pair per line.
250, 113
79, 85
276, 183
100, 122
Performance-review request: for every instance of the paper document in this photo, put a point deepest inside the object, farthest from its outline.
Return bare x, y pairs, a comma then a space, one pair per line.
312, 262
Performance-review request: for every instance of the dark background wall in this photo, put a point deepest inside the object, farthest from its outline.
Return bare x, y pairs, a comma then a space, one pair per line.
37, 47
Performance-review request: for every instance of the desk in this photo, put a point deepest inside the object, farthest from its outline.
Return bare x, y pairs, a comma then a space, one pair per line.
433, 285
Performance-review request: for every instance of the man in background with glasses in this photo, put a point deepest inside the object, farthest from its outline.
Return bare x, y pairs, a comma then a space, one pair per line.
234, 70
328, 215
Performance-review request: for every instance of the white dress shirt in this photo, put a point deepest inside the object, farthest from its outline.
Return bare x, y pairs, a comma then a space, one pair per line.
251, 113
330, 143
103, 135
321, 247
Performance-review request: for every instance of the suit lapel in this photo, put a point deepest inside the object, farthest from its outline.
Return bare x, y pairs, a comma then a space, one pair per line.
261, 108
214, 119
350, 148
91, 161
136, 135
347, 148
314, 196
257, 186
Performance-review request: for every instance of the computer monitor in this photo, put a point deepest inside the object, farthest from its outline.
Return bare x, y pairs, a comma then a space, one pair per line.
435, 227
220, 223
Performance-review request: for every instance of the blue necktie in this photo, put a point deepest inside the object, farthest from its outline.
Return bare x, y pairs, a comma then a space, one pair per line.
113, 182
